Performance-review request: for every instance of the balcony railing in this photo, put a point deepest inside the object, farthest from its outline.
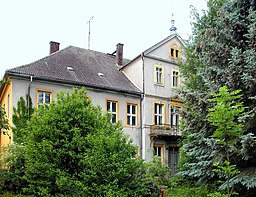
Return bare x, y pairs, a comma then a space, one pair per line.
164, 130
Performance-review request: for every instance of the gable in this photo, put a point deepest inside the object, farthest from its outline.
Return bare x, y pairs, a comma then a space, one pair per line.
168, 49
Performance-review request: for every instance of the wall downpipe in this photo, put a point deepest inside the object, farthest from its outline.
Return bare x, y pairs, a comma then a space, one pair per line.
141, 105
28, 99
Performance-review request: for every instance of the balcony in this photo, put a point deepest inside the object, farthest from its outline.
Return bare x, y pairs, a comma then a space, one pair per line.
164, 130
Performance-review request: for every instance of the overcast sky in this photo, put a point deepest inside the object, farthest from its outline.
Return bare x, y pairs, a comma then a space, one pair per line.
27, 26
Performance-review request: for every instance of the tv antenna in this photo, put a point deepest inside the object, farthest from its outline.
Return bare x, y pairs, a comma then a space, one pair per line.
89, 35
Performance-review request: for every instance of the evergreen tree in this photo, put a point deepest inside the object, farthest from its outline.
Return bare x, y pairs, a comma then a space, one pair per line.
221, 52
3, 120
21, 115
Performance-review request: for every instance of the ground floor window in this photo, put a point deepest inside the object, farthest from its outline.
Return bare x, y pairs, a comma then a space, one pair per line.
44, 97
159, 151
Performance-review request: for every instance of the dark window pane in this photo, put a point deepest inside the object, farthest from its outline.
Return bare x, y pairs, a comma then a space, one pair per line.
113, 107
128, 109
177, 53
40, 97
113, 118
172, 52
47, 97
133, 120
128, 120
160, 109
160, 120
108, 106
133, 109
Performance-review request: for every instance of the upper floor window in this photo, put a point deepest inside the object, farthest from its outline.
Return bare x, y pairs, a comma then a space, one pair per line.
174, 52
175, 116
131, 114
44, 97
112, 110
159, 114
175, 78
159, 74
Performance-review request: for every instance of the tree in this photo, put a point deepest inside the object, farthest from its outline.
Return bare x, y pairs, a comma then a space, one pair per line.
21, 115
4, 125
220, 53
225, 116
73, 150
12, 178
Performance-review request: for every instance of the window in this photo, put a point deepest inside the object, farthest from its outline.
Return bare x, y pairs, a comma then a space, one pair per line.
112, 110
131, 114
174, 52
175, 118
159, 75
159, 151
44, 97
175, 81
159, 114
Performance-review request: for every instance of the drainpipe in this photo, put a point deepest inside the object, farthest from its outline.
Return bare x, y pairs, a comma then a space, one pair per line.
28, 104
141, 110
141, 99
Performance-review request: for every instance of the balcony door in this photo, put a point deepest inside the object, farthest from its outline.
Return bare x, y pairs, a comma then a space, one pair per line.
174, 159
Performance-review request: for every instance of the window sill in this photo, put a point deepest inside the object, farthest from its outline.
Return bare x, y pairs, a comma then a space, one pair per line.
159, 84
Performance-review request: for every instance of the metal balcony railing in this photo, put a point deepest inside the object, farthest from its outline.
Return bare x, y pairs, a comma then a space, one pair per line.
164, 130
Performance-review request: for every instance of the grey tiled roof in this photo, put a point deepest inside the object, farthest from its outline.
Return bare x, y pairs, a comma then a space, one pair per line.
87, 66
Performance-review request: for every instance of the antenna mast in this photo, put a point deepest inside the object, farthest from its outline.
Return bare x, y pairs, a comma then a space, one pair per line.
89, 35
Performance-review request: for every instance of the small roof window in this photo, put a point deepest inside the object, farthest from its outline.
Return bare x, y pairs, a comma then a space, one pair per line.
101, 74
70, 68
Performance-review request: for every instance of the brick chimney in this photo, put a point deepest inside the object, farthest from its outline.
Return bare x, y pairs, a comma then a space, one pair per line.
119, 54
54, 46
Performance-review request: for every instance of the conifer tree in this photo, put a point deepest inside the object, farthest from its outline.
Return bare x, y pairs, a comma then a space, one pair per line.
220, 52
21, 115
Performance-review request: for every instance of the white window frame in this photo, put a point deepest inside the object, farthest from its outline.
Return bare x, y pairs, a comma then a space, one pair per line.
159, 151
175, 78
131, 115
159, 74
175, 116
44, 92
110, 110
158, 113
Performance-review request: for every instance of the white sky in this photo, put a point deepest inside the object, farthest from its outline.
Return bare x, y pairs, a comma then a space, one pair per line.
27, 26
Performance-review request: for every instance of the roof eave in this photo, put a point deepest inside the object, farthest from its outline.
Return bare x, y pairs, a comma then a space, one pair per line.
73, 83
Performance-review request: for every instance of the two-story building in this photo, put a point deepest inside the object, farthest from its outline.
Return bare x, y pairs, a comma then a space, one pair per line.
140, 93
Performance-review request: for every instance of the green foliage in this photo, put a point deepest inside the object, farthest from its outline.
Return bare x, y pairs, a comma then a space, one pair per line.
180, 187
224, 115
220, 53
158, 173
11, 176
14, 155
20, 117
4, 126
73, 150
13, 195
